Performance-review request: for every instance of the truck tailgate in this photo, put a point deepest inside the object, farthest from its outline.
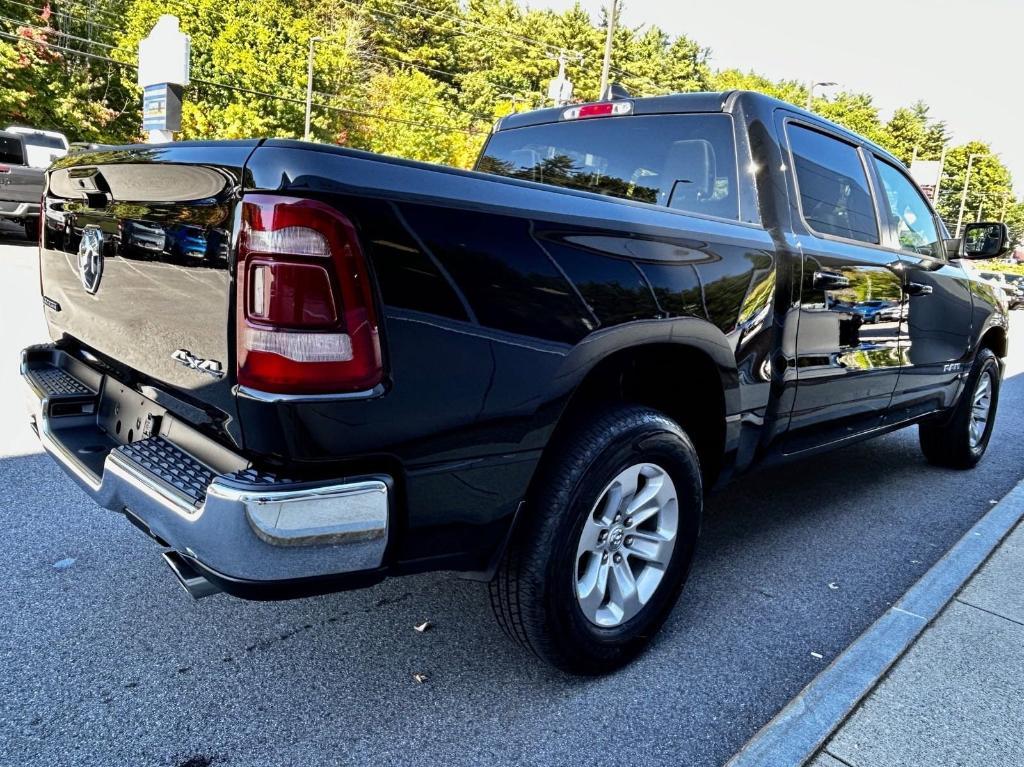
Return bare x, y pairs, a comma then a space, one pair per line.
135, 262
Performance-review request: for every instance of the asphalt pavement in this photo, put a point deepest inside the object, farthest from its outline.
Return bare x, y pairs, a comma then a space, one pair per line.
106, 661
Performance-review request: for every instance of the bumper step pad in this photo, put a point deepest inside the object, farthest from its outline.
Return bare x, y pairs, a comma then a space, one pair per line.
58, 383
167, 463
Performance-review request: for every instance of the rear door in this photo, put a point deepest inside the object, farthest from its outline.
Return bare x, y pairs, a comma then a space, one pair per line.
936, 321
847, 355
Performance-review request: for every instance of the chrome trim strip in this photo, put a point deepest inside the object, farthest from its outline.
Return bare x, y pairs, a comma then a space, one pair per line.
263, 396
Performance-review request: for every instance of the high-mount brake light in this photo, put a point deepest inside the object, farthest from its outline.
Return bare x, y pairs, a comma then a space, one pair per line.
602, 109
306, 321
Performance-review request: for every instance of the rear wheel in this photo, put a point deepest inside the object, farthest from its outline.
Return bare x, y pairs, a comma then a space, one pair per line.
960, 440
598, 562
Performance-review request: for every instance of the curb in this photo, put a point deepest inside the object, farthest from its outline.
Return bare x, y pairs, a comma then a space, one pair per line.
794, 735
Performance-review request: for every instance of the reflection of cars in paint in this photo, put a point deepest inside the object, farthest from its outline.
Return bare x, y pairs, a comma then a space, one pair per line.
186, 241
1016, 282
871, 309
1012, 293
144, 236
893, 313
407, 367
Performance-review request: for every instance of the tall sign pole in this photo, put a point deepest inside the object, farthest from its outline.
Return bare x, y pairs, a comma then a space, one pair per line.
309, 88
163, 74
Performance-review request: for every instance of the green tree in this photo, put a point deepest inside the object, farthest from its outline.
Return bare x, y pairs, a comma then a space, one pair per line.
411, 129
53, 89
988, 188
910, 134
854, 111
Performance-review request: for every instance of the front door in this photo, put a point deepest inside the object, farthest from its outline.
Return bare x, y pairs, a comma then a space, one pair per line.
851, 293
936, 322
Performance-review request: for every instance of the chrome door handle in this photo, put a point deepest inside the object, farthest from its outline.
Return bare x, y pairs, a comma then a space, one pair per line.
829, 281
917, 289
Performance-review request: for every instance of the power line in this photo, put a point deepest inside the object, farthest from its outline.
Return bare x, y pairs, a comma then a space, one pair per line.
250, 91
59, 32
65, 14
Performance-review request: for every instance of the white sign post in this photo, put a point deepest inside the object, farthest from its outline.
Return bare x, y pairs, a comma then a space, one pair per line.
163, 74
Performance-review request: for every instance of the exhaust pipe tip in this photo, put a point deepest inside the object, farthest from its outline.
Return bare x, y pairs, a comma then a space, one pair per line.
195, 584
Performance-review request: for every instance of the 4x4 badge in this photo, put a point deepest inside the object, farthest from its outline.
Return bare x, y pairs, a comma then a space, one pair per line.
90, 259
188, 359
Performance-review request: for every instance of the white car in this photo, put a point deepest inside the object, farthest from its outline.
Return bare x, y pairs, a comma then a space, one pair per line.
42, 147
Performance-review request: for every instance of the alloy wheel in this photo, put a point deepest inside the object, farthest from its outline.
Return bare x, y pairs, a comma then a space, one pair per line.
626, 544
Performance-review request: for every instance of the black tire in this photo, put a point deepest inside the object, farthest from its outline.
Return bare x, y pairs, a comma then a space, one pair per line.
534, 593
947, 442
31, 229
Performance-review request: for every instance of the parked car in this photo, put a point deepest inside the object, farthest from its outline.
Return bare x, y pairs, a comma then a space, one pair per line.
529, 373
21, 186
42, 147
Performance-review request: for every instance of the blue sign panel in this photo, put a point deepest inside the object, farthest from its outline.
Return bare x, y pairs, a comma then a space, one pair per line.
154, 107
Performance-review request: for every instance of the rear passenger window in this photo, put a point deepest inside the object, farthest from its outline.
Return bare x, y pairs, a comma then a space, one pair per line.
10, 151
834, 195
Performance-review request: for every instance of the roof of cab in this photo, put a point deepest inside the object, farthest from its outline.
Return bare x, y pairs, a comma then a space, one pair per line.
649, 105
682, 103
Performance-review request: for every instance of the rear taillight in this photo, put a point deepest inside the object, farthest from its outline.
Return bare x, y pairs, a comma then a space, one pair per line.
306, 317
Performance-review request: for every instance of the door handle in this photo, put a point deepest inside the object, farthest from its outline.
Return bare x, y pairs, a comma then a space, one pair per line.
829, 281
917, 289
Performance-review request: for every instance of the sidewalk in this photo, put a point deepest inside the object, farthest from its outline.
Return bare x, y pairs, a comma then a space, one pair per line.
957, 696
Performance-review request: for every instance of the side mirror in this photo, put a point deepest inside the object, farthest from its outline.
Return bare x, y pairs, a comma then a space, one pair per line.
985, 240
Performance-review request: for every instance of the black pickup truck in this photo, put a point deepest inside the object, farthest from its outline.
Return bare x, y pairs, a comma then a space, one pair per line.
21, 185
301, 368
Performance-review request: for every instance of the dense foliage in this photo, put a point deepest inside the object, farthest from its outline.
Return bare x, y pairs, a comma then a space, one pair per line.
417, 78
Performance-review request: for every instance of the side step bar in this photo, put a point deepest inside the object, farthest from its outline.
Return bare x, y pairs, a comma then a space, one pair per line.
195, 584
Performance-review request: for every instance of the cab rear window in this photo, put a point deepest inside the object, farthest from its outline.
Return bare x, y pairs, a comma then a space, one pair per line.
684, 162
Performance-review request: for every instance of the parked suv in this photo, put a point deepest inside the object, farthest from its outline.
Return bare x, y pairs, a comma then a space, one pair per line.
530, 373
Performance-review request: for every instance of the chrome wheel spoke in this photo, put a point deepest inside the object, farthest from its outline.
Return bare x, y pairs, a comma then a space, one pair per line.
592, 587
590, 539
624, 597
651, 547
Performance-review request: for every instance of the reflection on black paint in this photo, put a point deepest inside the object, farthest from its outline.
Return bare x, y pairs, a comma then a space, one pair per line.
506, 276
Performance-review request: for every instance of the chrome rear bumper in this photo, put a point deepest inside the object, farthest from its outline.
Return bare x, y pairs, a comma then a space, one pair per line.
192, 494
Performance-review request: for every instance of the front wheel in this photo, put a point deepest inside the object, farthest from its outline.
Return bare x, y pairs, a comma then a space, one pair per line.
960, 440
606, 544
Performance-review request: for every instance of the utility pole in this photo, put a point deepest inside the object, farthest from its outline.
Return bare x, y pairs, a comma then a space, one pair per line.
608, 40
963, 197
309, 87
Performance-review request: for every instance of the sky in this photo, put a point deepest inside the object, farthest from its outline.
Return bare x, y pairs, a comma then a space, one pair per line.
964, 59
